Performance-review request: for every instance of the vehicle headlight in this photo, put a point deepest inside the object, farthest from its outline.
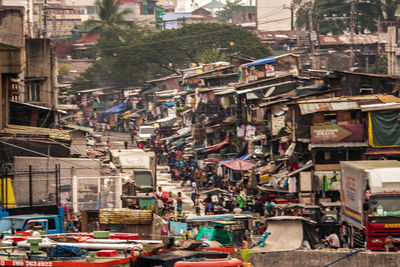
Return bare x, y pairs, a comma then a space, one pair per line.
376, 240
396, 239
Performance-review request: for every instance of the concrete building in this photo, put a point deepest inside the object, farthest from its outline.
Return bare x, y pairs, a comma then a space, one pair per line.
272, 15
40, 87
12, 57
392, 47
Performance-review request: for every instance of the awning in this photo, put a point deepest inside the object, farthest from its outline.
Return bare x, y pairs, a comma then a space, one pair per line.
308, 165
239, 165
116, 109
337, 145
214, 147
245, 156
383, 151
170, 104
130, 114
271, 86
308, 108
262, 61
38, 107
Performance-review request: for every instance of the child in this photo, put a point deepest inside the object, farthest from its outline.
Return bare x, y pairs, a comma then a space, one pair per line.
179, 203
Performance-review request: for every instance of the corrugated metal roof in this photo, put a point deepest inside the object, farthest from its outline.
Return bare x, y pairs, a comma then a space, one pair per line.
308, 108
37, 131
371, 39
376, 107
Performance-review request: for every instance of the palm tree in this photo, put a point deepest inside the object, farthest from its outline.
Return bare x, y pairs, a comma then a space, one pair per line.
110, 20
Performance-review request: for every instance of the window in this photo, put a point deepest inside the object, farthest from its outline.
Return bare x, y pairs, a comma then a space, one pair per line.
51, 224
33, 91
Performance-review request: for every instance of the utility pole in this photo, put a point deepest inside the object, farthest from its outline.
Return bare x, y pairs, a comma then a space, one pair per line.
310, 25
378, 48
45, 19
291, 7
352, 29
352, 26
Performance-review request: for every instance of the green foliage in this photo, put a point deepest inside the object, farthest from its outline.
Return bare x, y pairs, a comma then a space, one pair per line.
381, 67
367, 14
63, 70
110, 18
139, 54
225, 14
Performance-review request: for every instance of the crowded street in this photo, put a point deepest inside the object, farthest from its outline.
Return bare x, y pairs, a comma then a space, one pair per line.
178, 133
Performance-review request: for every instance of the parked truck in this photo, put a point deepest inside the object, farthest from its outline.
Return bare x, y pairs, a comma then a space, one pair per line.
49, 218
140, 165
370, 195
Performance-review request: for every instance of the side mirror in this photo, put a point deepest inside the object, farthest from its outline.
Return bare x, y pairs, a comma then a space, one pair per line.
365, 206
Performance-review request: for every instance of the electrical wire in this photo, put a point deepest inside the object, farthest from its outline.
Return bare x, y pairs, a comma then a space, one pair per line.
48, 156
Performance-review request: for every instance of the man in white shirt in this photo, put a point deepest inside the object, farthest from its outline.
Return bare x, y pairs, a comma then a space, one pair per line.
237, 210
333, 240
194, 192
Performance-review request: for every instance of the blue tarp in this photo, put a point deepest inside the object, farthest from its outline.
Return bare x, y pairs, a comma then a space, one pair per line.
116, 109
246, 156
262, 61
169, 104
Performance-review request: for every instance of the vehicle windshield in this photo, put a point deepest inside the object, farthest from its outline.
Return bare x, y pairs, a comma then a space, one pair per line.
7, 225
143, 179
146, 130
384, 206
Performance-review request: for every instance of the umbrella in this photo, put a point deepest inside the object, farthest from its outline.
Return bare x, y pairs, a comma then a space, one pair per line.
215, 191
212, 160
239, 165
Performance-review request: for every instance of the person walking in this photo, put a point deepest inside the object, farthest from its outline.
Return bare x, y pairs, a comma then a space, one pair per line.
179, 203
197, 205
132, 136
194, 192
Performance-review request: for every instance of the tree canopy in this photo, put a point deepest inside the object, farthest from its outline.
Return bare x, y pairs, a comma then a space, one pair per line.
142, 55
110, 18
225, 13
366, 15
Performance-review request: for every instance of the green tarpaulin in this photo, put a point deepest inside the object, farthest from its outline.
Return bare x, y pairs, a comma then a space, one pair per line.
384, 129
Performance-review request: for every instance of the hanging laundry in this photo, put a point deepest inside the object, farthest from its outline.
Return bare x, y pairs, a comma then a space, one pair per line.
241, 131
204, 98
292, 184
250, 132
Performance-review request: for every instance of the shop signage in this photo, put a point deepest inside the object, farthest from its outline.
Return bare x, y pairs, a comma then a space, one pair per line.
337, 133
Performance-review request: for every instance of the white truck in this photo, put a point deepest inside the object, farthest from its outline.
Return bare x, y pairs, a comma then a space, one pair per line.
140, 165
370, 195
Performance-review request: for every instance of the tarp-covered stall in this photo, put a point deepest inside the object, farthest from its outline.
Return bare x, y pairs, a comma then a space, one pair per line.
383, 129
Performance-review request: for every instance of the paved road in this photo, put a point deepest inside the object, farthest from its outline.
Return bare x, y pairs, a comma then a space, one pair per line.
163, 179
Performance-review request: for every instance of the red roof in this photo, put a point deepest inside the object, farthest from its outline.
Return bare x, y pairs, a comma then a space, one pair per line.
383, 151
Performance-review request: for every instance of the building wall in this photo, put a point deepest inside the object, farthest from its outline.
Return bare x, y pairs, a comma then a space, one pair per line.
393, 50
271, 16
12, 53
43, 182
39, 70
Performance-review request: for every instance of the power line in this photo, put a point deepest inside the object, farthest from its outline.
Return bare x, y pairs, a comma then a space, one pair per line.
48, 156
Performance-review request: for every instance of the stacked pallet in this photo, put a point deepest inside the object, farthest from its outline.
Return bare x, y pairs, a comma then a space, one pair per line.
125, 216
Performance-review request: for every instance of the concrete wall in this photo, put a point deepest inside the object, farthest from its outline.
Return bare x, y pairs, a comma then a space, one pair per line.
318, 258
12, 26
40, 67
44, 183
11, 54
